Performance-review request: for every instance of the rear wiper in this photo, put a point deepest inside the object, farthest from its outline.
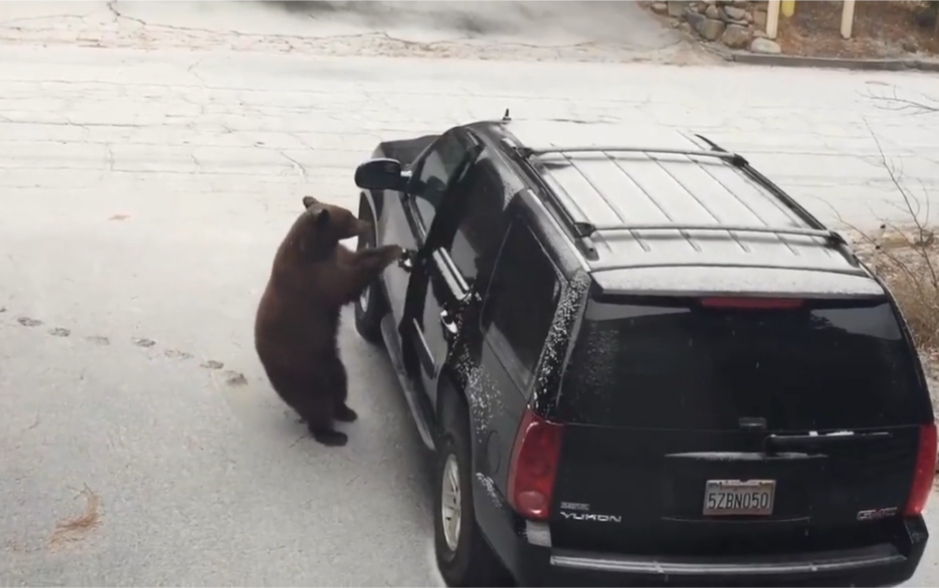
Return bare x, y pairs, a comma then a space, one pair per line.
775, 442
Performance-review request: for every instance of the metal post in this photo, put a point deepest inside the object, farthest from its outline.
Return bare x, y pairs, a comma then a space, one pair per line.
772, 18
847, 18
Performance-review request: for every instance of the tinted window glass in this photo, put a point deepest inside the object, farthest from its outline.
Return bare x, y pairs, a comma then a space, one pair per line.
484, 192
822, 366
520, 302
436, 170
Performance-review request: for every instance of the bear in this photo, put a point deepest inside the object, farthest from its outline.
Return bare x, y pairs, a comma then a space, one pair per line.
297, 322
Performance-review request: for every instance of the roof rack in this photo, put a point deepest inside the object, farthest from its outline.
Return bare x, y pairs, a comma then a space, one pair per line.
733, 158
582, 230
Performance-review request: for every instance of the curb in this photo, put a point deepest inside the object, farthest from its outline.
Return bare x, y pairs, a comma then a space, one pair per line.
930, 65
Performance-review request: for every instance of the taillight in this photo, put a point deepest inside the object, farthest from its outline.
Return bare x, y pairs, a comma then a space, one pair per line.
748, 302
925, 471
534, 465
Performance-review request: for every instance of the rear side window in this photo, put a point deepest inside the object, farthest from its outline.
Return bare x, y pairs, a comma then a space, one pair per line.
821, 366
519, 305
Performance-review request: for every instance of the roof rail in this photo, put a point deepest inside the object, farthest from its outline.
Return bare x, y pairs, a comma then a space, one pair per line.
823, 233
849, 271
733, 158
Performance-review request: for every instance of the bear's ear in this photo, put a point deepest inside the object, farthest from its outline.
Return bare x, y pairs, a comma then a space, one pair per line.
308, 201
322, 219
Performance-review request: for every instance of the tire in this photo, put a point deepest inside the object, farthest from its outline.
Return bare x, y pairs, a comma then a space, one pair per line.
370, 307
471, 562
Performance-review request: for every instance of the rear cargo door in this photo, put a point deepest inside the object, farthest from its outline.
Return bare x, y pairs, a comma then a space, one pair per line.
700, 426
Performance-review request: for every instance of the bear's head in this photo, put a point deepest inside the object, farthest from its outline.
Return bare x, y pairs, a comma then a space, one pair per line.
321, 226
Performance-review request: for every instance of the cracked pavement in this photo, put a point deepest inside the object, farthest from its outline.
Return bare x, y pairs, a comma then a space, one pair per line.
148, 172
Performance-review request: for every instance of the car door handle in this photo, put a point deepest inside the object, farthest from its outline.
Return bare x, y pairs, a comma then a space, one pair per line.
406, 262
449, 325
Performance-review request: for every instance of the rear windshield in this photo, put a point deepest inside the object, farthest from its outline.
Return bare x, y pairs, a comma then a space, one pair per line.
824, 365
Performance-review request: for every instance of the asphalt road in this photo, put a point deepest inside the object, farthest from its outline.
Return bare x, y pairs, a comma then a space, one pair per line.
142, 194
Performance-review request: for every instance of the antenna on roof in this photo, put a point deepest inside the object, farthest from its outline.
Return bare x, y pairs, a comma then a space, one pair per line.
506, 117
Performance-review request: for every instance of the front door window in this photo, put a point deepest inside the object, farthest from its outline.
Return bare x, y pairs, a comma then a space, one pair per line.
434, 175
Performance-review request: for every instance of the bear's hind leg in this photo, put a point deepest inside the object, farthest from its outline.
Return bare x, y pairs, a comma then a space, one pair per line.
318, 414
308, 395
344, 414
339, 382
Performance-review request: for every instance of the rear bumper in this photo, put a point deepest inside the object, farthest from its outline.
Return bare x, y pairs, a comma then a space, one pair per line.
886, 564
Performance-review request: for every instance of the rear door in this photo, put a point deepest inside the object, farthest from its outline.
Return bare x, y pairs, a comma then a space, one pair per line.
700, 427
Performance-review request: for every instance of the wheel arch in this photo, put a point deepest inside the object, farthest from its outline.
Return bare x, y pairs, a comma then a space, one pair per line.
494, 518
451, 397
374, 200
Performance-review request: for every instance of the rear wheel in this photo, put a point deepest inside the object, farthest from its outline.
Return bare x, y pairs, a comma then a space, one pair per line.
463, 556
370, 305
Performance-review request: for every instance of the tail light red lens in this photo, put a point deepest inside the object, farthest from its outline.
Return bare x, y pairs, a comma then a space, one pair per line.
725, 302
925, 471
534, 465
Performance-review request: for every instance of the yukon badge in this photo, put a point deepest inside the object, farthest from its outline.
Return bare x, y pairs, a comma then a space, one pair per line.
597, 518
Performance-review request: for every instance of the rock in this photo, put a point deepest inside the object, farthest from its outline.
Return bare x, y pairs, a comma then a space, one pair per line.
677, 7
759, 19
710, 29
760, 45
712, 11
694, 19
909, 45
760, 34
659, 7
685, 28
734, 13
739, 23
742, 3
736, 37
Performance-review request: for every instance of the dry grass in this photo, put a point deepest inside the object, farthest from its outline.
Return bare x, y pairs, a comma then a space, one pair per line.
73, 529
906, 257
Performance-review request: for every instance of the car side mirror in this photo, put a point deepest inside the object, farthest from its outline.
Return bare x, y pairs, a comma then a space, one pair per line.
379, 174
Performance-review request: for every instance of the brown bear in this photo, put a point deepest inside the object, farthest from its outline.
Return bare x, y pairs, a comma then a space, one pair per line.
297, 324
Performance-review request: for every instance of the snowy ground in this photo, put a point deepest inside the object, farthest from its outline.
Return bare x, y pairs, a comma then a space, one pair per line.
146, 176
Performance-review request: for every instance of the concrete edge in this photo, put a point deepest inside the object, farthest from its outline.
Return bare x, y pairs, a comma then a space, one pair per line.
930, 65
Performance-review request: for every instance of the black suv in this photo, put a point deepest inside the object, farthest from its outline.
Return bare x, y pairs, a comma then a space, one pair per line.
640, 361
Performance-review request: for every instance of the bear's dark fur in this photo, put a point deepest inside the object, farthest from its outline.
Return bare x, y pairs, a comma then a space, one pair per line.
297, 323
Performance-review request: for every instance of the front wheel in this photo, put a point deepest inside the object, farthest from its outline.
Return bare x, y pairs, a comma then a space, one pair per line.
463, 556
370, 305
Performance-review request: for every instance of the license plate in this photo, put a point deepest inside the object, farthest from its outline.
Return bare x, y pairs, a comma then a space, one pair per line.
739, 497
